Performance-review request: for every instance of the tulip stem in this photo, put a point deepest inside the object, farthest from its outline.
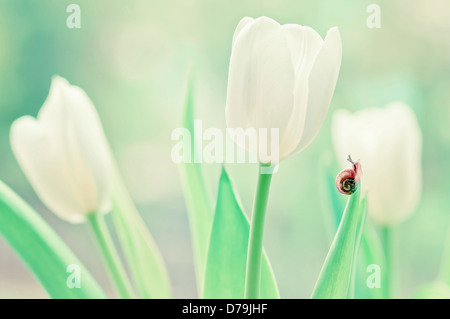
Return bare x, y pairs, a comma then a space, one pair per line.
386, 235
111, 258
255, 244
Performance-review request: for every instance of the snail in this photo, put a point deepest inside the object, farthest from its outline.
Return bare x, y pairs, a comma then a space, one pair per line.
347, 180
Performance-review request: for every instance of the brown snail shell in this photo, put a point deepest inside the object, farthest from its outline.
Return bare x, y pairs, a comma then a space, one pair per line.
347, 180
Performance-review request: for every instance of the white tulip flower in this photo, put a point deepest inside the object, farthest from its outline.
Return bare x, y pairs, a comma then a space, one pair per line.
282, 77
64, 153
388, 143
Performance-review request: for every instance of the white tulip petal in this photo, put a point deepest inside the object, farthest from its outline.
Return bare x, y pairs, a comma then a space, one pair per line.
387, 141
69, 133
90, 154
305, 44
243, 23
261, 78
276, 74
322, 82
44, 166
408, 151
56, 116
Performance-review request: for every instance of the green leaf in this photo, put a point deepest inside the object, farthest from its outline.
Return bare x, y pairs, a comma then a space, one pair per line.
336, 275
370, 251
363, 207
333, 203
42, 250
196, 195
227, 253
143, 257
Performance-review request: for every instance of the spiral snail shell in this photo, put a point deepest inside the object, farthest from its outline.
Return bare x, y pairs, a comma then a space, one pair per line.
348, 179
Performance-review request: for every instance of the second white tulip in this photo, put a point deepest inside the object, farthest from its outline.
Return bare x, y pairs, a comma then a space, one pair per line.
388, 142
64, 153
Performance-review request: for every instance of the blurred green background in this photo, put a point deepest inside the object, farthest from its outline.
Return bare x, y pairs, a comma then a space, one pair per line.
132, 57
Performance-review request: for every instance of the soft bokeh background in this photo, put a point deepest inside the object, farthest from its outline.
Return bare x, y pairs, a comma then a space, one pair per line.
132, 59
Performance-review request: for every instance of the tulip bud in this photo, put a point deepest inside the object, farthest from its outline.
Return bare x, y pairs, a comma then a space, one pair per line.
388, 143
282, 77
64, 153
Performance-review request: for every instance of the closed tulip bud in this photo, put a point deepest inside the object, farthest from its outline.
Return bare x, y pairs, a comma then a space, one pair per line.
388, 143
64, 153
281, 77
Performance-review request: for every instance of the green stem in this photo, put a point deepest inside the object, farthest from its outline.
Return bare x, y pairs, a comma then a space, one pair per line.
110, 256
255, 244
386, 234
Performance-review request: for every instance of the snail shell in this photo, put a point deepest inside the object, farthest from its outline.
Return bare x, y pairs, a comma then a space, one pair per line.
348, 179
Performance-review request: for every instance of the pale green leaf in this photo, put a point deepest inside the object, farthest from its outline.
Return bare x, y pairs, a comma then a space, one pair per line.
370, 251
196, 195
363, 207
227, 253
143, 257
336, 275
332, 202
42, 250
